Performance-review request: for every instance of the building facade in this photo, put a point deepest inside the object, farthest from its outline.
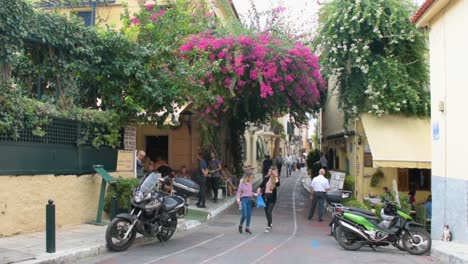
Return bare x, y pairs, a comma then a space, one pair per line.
448, 38
398, 146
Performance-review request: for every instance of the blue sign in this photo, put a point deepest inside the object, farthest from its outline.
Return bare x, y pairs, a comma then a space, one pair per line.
435, 131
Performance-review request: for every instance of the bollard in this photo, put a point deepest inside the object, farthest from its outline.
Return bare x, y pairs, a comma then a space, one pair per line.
113, 209
50, 227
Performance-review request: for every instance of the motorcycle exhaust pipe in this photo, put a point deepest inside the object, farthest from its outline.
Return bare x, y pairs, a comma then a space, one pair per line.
354, 229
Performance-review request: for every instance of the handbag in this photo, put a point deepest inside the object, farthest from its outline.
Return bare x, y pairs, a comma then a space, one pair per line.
254, 201
260, 202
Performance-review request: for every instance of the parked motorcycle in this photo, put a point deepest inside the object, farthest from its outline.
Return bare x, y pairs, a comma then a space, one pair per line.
153, 213
354, 227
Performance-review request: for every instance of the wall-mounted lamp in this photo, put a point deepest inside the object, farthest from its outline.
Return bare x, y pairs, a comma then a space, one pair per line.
187, 117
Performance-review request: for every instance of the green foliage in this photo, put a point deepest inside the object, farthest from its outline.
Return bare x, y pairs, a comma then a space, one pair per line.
349, 183
376, 177
371, 48
18, 112
312, 165
405, 203
355, 203
122, 190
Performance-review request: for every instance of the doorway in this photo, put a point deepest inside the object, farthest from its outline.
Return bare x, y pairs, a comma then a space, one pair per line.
157, 148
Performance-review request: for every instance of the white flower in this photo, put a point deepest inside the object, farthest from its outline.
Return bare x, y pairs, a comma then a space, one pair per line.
353, 18
374, 106
361, 20
404, 101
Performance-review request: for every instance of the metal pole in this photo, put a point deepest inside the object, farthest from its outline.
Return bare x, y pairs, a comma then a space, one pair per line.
101, 202
50, 227
114, 206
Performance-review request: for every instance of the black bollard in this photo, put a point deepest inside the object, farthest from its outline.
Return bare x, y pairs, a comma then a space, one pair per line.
50, 227
114, 206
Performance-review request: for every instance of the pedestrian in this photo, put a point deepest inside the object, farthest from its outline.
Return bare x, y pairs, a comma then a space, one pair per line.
268, 189
140, 163
215, 172
184, 173
202, 175
318, 188
279, 164
294, 158
244, 199
322, 161
289, 163
266, 165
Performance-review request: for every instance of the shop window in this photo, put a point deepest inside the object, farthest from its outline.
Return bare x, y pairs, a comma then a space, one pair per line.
419, 179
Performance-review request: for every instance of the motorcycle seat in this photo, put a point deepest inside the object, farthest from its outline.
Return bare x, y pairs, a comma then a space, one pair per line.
370, 217
360, 210
171, 202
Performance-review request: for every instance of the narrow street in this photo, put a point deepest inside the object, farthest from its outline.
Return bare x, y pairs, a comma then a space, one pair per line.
294, 240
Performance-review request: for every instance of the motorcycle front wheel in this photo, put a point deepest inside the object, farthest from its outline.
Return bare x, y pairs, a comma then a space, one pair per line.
168, 229
347, 240
115, 235
417, 241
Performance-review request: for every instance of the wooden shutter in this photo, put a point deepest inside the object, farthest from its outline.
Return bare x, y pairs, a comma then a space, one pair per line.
403, 180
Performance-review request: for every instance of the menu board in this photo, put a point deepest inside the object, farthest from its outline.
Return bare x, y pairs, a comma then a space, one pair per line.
126, 160
337, 180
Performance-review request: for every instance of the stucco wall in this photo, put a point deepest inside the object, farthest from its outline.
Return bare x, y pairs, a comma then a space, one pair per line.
183, 147
448, 55
23, 200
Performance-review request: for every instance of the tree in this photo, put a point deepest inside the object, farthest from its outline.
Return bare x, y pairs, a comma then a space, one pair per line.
377, 56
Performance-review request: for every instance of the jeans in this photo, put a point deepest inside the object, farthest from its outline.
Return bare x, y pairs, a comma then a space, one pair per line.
288, 169
214, 185
246, 211
268, 212
201, 193
319, 198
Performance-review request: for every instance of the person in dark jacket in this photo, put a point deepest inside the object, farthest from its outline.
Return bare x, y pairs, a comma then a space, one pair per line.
267, 163
268, 189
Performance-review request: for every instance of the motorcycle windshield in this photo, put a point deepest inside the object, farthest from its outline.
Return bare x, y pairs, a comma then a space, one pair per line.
149, 183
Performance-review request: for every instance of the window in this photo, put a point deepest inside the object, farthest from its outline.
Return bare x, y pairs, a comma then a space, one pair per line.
368, 163
419, 179
87, 17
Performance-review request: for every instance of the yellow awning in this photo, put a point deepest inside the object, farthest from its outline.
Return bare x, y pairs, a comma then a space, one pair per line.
399, 141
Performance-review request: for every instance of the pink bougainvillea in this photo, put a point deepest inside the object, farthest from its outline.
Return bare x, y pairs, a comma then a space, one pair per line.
135, 20
260, 67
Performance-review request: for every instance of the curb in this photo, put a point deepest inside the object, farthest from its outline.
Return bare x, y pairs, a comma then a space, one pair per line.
445, 257
67, 256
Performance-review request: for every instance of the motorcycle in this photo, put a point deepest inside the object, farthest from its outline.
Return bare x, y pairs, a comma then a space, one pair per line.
153, 212
354, 228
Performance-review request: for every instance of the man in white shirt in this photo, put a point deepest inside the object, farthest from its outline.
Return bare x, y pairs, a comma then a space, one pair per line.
318, 188
289, 163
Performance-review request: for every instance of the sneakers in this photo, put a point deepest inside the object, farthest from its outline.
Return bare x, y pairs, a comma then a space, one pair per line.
268, 229
247, 230
240, 229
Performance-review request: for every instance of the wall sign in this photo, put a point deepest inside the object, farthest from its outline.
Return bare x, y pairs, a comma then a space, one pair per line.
435, 131
337, 180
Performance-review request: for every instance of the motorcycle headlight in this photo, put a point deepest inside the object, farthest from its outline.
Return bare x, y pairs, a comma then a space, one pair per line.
138, 197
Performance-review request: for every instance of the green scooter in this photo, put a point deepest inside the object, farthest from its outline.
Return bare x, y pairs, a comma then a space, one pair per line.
355, 230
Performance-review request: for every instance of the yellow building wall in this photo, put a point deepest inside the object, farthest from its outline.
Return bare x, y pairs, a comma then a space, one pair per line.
23, 200
183, 148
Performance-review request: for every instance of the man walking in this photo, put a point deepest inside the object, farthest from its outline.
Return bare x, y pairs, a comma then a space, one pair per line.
202, 175
289, 163
266, 165
279, 164
318, 188
215, 173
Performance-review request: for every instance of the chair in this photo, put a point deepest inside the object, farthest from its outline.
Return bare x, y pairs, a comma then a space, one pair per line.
421, 215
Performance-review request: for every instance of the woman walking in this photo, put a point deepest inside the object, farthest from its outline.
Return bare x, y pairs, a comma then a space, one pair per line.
268, 189
244, 195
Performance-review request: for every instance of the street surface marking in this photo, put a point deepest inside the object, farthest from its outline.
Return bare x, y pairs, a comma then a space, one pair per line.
295, 227
183, 250
231, 249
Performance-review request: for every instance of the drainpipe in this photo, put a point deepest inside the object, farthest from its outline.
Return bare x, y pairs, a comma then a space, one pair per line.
93, 13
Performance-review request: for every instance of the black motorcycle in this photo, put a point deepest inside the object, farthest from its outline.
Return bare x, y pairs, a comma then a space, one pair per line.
153, 212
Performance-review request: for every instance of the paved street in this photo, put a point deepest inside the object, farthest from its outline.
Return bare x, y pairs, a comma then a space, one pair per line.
294, 240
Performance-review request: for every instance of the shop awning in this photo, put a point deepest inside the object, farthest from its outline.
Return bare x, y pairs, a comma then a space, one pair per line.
399, 141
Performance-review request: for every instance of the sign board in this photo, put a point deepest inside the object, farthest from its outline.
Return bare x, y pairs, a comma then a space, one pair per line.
337, 180
126, 160
435, 131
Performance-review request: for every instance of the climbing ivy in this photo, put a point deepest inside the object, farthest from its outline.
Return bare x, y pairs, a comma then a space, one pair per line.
376, 55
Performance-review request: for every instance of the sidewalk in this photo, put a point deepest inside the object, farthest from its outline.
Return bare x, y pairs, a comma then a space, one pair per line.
446, 252
81, 241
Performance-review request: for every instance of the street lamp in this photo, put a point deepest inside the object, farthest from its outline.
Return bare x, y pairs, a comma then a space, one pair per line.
187, 117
